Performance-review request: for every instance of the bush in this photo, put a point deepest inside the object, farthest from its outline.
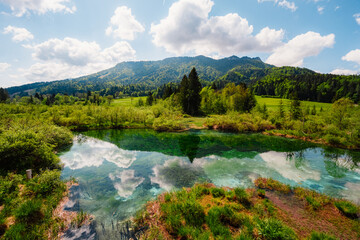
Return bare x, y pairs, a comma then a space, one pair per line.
271, 184
29, 212
315, 205
217, 192
274, 229
320, 236
46, 183
214, 222
260, 193
242, 196
193, 213
220, 217
16, 232
347, 208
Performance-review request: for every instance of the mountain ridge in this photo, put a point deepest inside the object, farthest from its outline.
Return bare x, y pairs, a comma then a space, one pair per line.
149, 74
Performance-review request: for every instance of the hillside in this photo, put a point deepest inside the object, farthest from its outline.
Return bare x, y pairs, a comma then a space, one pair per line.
145, 75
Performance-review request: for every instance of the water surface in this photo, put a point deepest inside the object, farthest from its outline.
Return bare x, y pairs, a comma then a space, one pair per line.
119, 170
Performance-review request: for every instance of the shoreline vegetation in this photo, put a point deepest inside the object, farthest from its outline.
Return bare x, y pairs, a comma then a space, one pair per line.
34, 128
272, 210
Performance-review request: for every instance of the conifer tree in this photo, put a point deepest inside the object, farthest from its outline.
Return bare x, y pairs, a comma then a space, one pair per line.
4, 95
194, 93
184, 94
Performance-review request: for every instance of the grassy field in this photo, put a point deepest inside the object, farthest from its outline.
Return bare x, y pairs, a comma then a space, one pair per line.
130, 101
273, 103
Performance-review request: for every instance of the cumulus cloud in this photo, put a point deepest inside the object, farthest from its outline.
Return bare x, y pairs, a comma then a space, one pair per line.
69, 50
344, 72
282, 3
4, 66
18, 34
357, 18
21, 7
70, 57
352, 56
189, 29
123, 24
300, 47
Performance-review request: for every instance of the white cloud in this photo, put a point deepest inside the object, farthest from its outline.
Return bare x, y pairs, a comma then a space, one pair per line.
123, 24
69, 50
344, 72
352, 56
282, 3
4, 67
18, 34
320, 9
289, 5
69, 58
357, 18
300, 47
189, 29
21, 7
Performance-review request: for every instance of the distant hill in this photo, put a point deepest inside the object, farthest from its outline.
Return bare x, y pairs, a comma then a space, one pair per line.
146, 74
137, 78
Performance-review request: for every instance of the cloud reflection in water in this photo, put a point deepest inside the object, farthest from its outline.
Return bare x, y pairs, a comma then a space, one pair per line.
93, 152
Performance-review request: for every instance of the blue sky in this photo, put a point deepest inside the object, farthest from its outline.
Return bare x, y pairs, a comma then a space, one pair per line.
46, 40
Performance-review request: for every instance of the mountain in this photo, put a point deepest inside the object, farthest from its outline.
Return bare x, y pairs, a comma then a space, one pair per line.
147, 75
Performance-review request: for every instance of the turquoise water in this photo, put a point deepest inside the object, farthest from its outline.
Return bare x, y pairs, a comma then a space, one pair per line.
119, 170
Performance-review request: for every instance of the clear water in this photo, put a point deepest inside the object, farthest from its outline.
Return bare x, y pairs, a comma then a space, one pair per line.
119, 170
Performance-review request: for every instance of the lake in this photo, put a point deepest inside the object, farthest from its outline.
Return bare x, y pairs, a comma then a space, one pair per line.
120, 170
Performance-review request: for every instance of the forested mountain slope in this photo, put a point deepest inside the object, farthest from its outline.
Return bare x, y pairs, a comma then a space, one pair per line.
144, 75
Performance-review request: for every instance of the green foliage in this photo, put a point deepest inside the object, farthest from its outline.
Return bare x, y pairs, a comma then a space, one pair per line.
218, 192
307, 85
190, 98
274, 229
31, 145
321, 236
46, 183
242, 196
193, 213
271, 184
4, 95
347, 208
29, 212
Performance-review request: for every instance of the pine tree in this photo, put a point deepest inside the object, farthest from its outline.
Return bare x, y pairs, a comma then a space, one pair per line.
194, 93
149, 99
4, 95
184, 94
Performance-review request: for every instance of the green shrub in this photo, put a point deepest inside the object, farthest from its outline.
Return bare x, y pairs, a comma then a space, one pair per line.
16, 232
193, 213
9, 187
214, 223
218, 192
274, 229
2, 226
242, 196
46, 183
315, 205
347, 208
260, 193
271, 184
29, 212
321, 236
220, 217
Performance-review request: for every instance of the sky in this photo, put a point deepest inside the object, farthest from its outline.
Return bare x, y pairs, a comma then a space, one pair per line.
47, 40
